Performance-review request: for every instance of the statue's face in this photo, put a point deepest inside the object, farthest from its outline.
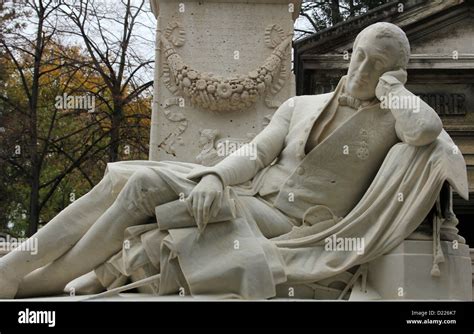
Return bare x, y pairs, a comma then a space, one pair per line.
371, 58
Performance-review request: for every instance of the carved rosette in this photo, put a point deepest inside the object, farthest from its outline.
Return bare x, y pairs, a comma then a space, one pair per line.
215, 93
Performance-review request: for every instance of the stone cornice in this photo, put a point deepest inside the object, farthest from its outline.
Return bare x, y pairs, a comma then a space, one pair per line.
355, 24
417, 61
155, 7
413, 11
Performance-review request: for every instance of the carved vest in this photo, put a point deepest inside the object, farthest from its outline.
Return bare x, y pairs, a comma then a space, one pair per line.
337, 172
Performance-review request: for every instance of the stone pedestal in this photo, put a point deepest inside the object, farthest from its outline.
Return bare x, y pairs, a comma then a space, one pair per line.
405, 273
222, 68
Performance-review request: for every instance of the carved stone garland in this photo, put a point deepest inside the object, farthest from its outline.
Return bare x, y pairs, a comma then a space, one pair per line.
215, 93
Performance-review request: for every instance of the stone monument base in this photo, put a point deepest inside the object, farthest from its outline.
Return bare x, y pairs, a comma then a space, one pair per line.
408, 267
405, 274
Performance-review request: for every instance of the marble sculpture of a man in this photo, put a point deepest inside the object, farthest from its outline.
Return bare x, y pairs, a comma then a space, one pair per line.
315, 161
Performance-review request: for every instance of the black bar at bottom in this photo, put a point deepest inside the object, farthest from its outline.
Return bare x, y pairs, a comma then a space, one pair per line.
447, 317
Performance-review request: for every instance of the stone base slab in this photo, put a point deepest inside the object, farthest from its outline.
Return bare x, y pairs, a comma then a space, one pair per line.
405, 274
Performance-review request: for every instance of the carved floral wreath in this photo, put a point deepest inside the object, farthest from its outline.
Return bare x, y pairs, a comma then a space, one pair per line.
216, 93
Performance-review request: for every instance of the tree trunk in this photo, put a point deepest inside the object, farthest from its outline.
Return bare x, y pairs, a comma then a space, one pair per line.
34, 203
335, 12
352, 11
117, 118
33, 149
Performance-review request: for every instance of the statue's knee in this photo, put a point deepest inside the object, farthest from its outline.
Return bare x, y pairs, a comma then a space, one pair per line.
104, 187
142, 191
144, 180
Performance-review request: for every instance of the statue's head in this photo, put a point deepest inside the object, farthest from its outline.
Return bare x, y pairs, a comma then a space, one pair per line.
379, 48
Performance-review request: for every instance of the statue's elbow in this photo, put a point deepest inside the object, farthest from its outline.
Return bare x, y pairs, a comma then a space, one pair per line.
428, 134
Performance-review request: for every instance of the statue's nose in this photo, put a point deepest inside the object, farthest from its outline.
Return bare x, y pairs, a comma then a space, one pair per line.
364, 69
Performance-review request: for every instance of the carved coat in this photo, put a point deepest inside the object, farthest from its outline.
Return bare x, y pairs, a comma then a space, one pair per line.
334, 175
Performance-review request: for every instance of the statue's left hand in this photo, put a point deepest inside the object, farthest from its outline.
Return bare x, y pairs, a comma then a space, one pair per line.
388, 80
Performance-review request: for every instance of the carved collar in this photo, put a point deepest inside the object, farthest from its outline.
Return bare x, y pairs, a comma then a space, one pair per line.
345, 99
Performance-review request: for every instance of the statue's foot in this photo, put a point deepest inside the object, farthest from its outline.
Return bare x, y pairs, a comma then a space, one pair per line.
87, 284
8, 286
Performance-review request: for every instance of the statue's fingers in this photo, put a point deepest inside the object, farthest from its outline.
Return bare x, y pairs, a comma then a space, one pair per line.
403, 76
400, 75
216, 205
199, 206
206, 208
189, 204
195, 207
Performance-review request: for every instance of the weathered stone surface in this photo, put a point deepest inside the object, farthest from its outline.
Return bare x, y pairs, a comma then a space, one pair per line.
222, 69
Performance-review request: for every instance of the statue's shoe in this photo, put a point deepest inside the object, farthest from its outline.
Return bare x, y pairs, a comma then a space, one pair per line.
87, 284
8, 287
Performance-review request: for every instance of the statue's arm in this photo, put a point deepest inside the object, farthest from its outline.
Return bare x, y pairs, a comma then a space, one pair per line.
264, 148
417, 126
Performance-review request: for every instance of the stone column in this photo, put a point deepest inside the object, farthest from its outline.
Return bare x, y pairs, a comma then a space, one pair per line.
222, 69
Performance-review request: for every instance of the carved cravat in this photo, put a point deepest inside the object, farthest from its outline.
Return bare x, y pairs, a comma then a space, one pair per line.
352, 102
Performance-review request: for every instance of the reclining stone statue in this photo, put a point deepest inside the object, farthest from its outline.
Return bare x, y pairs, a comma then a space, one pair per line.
341, 164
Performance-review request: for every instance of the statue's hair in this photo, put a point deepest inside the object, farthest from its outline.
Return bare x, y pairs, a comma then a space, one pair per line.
390, 30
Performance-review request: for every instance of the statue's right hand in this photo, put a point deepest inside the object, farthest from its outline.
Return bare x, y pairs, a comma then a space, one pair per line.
205, 200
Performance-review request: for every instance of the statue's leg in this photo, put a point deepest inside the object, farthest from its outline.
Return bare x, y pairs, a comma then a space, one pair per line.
57, 237
135, 205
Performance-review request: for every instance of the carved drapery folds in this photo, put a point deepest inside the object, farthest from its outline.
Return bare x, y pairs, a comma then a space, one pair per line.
216, 93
